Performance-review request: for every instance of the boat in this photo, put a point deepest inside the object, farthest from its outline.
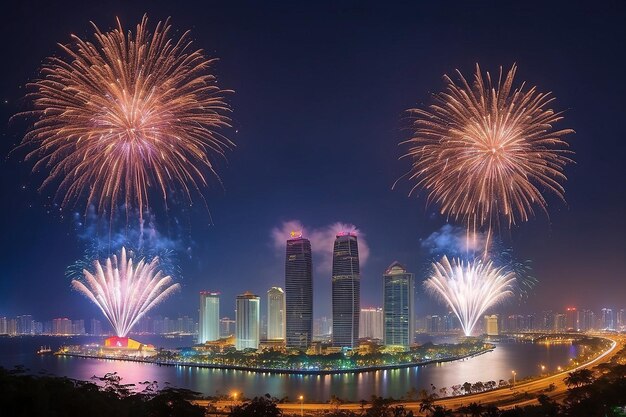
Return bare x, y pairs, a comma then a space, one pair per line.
43, 350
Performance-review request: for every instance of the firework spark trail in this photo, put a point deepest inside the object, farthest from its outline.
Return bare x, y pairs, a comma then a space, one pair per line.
484, 152
125, 291
127, 114
470, 288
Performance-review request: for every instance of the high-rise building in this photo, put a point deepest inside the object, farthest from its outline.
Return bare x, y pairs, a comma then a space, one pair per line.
547, 320
12, 327
275, 314
571, 319
96, 327
3, 325
434, 324
37, 327
451, 322
621, 319
227, 327
371, 323
248, 316
608, 321
346, 290
586, 320
299, 292
62, 326
209, 323
398, 306
560, 322
322, 327
25, 324
491, 325
78, 327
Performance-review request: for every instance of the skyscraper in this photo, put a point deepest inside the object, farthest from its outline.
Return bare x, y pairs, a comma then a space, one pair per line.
346, 290
227, 327
248, 317
571, 320
608, 321
276, 314
398, 306
209, 323
371, 323
586, 320
299, 292
95, 327
25, 324
491, 325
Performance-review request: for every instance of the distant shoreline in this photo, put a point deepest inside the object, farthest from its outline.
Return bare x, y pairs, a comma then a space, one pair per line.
286, 371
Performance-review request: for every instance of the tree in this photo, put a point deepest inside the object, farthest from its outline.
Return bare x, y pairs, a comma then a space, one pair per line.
427, 404
475, 409
579, 378
259, 406
467, 387
335, 401
441, 411
174, 402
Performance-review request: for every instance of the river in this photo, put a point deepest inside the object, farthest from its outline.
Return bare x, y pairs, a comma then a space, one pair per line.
523, 357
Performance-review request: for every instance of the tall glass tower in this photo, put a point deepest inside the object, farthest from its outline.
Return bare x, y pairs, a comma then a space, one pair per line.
248, 318
398, 306
346, 290
299, 291
209, 323
276, 314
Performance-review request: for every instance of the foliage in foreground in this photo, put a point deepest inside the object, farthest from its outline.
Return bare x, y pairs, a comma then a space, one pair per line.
25, 395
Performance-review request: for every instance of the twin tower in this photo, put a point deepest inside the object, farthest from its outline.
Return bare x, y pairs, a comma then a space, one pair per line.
346, 291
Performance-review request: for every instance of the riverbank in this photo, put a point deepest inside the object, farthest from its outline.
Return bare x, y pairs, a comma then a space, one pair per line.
283, 371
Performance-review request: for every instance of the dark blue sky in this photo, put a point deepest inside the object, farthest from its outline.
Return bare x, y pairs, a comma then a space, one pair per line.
320, 92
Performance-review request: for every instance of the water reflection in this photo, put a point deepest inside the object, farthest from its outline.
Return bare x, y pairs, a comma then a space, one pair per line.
524, 358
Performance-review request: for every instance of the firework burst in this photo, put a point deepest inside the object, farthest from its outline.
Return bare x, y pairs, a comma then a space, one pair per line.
485, 152
470, 288
126, 114
125, 291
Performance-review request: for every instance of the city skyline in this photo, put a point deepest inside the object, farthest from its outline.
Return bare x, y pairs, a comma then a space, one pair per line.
285, 181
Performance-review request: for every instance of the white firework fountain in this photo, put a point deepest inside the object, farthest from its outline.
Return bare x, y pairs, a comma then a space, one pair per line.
125, 291
470, 288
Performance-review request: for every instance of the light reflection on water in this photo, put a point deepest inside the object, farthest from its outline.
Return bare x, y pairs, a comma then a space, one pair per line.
525, 358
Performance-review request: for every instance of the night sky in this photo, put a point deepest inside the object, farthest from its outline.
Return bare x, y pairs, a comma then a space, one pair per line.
320, 93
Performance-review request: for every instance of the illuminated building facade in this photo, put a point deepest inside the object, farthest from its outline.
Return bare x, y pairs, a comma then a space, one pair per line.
209, 323
298, 292
586, 319
491, 325
607, 319
346, 290
371, 323
398, 306
275, 314
571, 319
248, 325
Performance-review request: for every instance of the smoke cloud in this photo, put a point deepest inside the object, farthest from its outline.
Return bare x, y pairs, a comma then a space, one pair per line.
322, 240
104, 237
454, 242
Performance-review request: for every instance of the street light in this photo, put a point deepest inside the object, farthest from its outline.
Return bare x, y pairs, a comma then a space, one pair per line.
514, 373
301, 398
559, 368
543, 368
